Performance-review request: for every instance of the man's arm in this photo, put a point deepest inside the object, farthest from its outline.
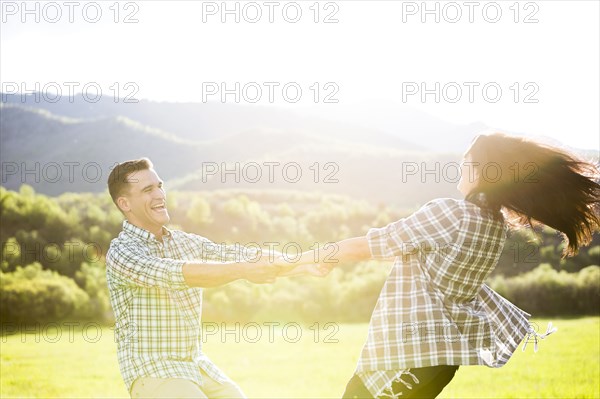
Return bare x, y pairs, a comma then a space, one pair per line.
209, 251
133, 266
214, 274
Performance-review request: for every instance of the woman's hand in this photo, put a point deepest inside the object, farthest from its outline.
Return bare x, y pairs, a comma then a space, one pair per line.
350, 250
295, 269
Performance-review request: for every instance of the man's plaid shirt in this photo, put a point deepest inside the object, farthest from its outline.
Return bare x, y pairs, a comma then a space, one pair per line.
434, 308
157, 314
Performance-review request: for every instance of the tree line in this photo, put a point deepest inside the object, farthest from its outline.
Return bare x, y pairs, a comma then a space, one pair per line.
52, 256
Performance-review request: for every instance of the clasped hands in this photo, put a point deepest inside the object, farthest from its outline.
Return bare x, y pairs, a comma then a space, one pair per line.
273, 265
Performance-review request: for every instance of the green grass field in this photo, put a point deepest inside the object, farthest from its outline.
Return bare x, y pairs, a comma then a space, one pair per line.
73, 365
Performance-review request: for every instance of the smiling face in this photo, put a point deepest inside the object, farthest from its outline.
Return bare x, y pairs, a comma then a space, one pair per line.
144, 203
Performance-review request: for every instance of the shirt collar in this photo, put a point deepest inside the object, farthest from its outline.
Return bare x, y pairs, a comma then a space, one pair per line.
141, 233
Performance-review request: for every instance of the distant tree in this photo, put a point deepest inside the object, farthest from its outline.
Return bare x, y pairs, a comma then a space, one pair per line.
199, 212
33, 295
11, 255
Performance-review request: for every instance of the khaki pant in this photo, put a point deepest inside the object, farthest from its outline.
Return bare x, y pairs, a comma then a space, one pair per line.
159, 388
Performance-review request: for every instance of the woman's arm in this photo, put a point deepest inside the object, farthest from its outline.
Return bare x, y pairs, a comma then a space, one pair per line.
350, 250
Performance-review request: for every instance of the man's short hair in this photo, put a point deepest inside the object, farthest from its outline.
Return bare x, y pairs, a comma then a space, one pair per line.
118, 182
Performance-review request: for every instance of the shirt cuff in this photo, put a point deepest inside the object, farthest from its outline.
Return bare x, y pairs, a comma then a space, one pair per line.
175, 275
377, 239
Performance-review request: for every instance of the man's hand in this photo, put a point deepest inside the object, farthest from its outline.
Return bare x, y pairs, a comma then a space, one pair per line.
261, 272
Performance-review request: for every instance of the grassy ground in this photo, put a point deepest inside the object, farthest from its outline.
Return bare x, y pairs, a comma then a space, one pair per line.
82, 363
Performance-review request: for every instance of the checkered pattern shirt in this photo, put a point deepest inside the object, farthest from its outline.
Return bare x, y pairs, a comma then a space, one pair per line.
157, 314
434, 308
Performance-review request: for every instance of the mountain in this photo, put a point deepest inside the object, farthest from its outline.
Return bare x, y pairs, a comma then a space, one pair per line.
373, 151
379, 123
405, 122
206, 121
56, 154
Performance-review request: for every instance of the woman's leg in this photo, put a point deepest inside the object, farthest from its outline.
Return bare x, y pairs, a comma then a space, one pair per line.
356, 389
431, 382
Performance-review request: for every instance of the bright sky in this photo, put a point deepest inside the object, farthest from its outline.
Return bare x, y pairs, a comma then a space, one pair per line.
377, 50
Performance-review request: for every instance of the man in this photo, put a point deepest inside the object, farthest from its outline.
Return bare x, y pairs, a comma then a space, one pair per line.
155, 278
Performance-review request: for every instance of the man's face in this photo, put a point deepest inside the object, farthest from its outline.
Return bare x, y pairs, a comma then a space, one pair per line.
145, 203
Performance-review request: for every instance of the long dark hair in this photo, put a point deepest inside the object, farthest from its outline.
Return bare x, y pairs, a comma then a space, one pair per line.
533, 182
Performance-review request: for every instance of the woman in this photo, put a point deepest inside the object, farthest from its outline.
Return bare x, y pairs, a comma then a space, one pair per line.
434, 312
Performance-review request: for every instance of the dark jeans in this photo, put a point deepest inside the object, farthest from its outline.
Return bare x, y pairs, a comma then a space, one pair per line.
431, 382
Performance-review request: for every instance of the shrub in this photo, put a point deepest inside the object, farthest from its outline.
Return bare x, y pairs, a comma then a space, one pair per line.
32, 295
545, 291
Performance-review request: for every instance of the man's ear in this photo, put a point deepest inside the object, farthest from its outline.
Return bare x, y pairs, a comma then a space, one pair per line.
123, 204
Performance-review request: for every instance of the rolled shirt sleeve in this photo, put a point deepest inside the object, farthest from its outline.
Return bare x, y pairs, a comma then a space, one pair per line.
231, 252
433, 225
133, 266
209, 251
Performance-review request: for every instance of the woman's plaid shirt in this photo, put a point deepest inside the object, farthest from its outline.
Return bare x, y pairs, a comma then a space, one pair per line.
434, 308
157, 314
